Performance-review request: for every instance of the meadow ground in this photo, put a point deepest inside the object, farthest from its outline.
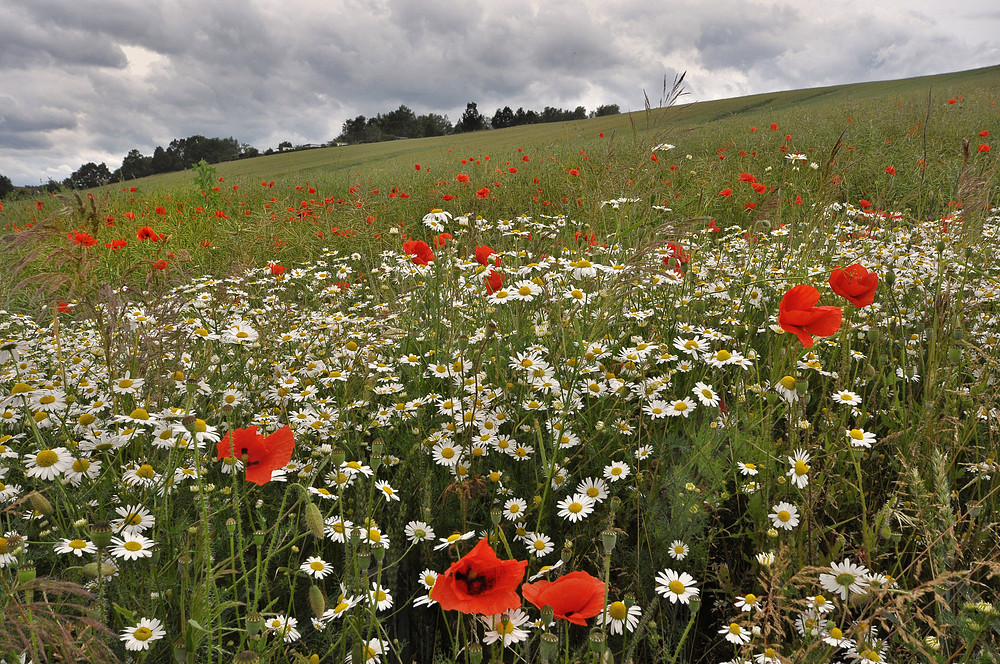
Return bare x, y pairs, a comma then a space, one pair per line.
712, 383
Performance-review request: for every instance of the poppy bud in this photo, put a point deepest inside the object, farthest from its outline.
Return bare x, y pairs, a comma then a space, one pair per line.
100, 534
475, 653
379, 553
26, 573
608, 539
495, 515
180, 651
316, 600
597, 641
231, 525
364, 558
40, 503
549, 648
547, 614
378, 447
337, 456
314, 520
258, 537
255, 622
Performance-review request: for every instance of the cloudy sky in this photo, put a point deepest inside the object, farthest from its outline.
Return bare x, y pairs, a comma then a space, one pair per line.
88, 80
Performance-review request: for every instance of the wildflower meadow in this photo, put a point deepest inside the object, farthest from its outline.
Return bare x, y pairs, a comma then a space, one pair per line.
636, 391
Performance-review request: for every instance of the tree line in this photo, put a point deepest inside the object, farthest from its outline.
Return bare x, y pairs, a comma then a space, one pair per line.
404, 123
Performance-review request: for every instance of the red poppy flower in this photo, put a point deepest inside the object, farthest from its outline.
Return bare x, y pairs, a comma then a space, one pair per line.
441, 240
759, 187
675, 257
746, 177
864, 203
855, 283
116, 244
726, 193
147, 233
63, 307
983, 147
276, 269
260, 455
774, 127
573, 171
160, 264
573, 597
479, 582
82, 237
493, 282
160, 210
483, 193
483, 254
952, 101
462, 177
891, 170
799, 315
419, 251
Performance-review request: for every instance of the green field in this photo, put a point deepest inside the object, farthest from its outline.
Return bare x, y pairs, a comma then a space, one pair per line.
703, 383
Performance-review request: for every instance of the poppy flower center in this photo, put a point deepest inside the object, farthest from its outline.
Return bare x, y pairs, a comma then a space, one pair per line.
475, 583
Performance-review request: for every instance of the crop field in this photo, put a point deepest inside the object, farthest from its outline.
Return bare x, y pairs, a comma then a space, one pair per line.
715, 382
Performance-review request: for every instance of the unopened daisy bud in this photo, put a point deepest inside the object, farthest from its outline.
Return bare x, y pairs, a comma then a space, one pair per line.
255, 622
40, 503
549, 648
608, 539
475, 653
548, 614
600, 425
314, 519
933, 642
316, 600
597, 641
180, 651
772, 533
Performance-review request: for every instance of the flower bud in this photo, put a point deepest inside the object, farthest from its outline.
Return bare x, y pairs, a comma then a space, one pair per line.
255, 622
258, 537
314, 520
180, 651
475, 652
597, 641
549, 648
547, 614
608, 539
337, 456
231, 525
100, 534
246, 657
316, 601
40, 503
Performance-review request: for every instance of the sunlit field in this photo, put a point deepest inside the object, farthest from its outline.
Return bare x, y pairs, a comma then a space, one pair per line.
689, 385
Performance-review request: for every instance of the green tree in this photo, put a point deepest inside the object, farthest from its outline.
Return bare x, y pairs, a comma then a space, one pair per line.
6, 186
607, 109
471, 120
503, 118
90, 175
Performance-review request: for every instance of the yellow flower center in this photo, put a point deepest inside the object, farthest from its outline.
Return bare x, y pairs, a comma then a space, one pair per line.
676, 587
317, 566
146, 472
3, 546
142, 634
77, 544
690, 344
680, 405
734, 628
81, 465
374, 535
723, 355
86, 419
132, 546
857, 434
749, 598
524, 291
351, 346
46, 458
618, 610
784, 515
837, 633
575, 507
801, 467
47, 399
515, 508
788, 382
125, 383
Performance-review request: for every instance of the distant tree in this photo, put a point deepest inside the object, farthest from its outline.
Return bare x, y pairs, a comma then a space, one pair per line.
401, 122
353, 131
579, 113
135, 165
6, 186
435, 125
163, 161
90, 175
247, 150
52, 186
284, 145
504, 117
607, 109
471, 120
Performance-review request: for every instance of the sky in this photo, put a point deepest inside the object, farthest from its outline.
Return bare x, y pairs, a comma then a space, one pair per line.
89, 81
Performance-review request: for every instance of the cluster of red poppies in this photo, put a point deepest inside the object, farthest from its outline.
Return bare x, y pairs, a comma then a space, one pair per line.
799, 314
481, 583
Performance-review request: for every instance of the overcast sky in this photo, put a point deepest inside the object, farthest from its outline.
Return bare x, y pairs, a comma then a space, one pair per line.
88, 80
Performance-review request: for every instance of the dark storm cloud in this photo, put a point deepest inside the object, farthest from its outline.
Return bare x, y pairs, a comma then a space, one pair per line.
88, 81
